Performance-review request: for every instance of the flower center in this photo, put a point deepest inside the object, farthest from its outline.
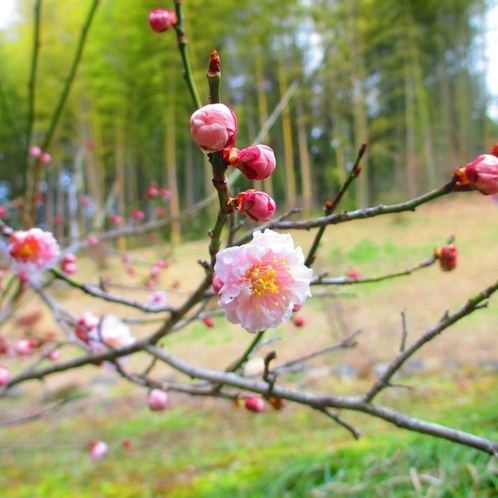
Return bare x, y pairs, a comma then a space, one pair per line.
26, 250
263, 280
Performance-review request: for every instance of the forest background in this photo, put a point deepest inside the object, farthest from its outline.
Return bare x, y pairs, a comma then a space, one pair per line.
409, 77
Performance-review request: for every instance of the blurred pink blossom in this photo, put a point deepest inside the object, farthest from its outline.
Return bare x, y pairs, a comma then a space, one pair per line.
137, 214
255, 404
447, 257
4, 375
209, 322
32, 251
3, 212
46, 158
98, 449
157, 299
92, 240
262, 280
35, 151
214, 127
157, 400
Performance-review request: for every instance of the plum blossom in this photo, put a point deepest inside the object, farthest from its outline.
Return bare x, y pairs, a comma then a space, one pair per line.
447, 256
157, 299
113, 333
161, 20
214, 127
262, 280
157, 400
255, 162
32, 251
482, 174
259, 206
4, 375
98, 449
255, 404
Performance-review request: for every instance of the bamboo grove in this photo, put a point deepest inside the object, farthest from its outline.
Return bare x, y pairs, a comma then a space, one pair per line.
408, 77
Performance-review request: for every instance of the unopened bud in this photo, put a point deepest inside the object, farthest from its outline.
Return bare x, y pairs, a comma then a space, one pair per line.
161, 20
447, 256
259, 206
157, 400
255, 404
4, 375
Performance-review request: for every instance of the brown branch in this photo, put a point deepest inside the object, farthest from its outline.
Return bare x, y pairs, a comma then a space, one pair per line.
447, 320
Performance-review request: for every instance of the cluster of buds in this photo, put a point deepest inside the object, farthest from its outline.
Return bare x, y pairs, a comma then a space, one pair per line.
37, 153
214, 129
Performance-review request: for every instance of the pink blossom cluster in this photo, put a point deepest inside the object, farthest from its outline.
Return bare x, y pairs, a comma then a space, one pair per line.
32, 251
68, 264
98, 333
260, 283
214, 129
43, 157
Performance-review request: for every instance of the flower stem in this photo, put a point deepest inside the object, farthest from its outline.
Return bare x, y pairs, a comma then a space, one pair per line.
182, 46
330, 206
217, 163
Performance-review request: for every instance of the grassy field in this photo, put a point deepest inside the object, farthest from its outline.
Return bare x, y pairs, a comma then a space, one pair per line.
210, 448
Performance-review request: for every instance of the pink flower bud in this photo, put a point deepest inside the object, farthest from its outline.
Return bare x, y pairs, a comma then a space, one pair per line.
46, 158
3, 212
255, 404
98, 449
69, 258
4, 376
54, 355
151, 192
255, 162
165, 194
259, 206
208, 322
352, 273
214, 127
92, 240
115, 219
157, 400
69, 268
137, 214
132, 272
161, 20
84, 201
58, 219
35, 151
155, 271
161, 263
296, 307
482, 174
447, 257
217, 284
160, 211
126, 258
299, 321
25, 347
126, 444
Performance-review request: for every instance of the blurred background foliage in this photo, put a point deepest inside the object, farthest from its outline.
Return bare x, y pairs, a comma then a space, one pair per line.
407, 76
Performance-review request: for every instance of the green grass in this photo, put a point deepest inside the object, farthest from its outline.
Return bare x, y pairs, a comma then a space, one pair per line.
209, 449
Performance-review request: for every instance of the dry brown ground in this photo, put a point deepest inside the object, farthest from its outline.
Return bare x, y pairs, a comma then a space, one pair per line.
397, 241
